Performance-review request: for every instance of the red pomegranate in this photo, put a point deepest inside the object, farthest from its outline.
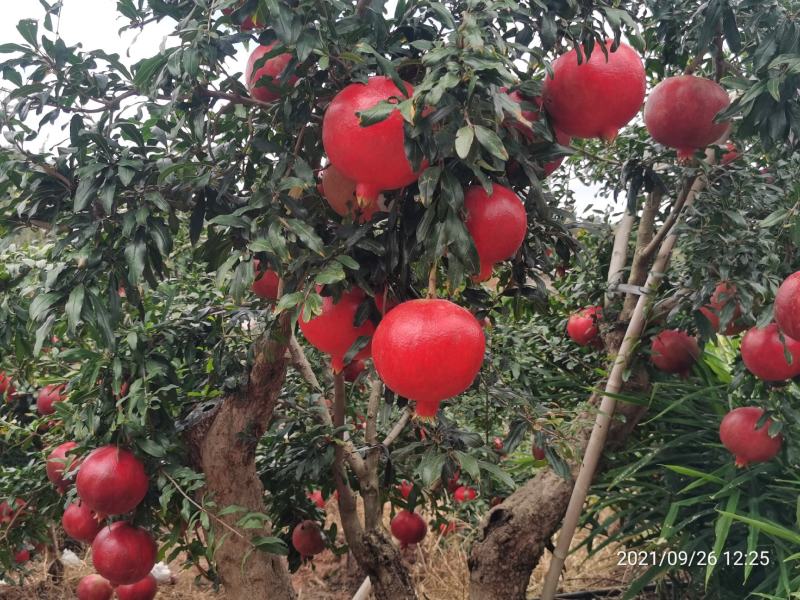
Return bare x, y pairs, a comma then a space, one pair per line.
405, 488
146, 589
307, 538
452, 483
7, 389
428, 351
9, 512
340, 193
123, 554
497, 444
408, 527
373, 156
112, 481
80, 522
787, 306
562, 138
49, 395
464, 493
249, 23
266, 282
354, 369
538, 453
448, 528
731, 155
94, 587
680, 112
333, 331
497, 224
57, 464
738, 434
582, 327
269, 75
597, 97
764, 356
22, 556
317, 498
725, 292
674, 351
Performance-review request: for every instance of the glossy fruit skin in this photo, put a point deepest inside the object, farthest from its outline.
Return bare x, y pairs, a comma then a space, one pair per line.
57, 463
582, 327
123, 554
562, 138
538, 453
333, 331
112, 481
317, 498
94, 587
373, 156
428, 351
763, 354
340, 194
353, 369
674, 351
405, 488
272, 69
598, 97
49, 395
464, 493
408, 527
146, 589
787, 306
724, 292
266, 282
497, 224
739, 435
680, 112
80, 522
307, 538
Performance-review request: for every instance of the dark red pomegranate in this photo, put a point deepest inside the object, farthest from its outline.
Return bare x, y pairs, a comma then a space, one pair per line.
428, 351
725, 292
787, 306
57, 463
497, 444
373, 156
22, 556
262, 82
408, 527
94, 587
464, 493
317, 498
582, 327
340, 193
49, 395
405, 488
333, 331
123, 554
9, 512
763, 354
538, 453
307, 538
597, 97
354, 369
112, 481
7, 389
80, 522
497, 224
738, 434
146, 589
680, 112
674, 351
562, 138
266, 282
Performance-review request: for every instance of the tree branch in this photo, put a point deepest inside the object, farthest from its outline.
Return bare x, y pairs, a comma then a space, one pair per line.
397, 429
651, 248
235, 98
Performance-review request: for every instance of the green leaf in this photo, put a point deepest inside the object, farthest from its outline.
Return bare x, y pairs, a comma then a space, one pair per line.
271, 545
721, 529
332, 273
74, 306
469, 464
429, 468
83, 194
152, 448
428, 182
497, 474
289, 301
41, 305
307, 235
464, 139
376, 114
491, 141
28, 29
768, 527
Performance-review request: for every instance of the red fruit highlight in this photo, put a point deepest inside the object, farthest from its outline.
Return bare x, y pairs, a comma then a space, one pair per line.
94, 587
340, 193
307, 538
146, 589
497, 224
497, 443
582, 327
428, 351
57, 463
674, 351
680, 112
317, 498
763, 354
266, 282
408, 527
739, 435
597, 97
464, 493
80, 522
49, 395
270, 72
112, 481
725, 292
787, 306
123, 554
22, 556
405, 488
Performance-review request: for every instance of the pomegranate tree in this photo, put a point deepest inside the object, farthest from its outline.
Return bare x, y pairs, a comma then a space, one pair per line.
112, 481
146, 589
747, 442
408, 527
49, 395
674, 351
307, 538
582, 327
94, 587
263, 81
464, 493
266, 282
724, 293
61, 466
80, 522
764, 353
787, 306
123, 554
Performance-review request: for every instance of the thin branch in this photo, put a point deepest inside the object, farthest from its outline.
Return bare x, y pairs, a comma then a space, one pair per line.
235, 98
432, 281
670, 221
375, 394
398, 428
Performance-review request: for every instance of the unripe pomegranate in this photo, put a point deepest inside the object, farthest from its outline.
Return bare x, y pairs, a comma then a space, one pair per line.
408, 527
725, 292
597, 97
680, 112
787, 306
317, 498
307, 538
373, 156
674, 351
22, 556
80, 522
112, 481
464, 493
57, 463
354, 369
146, 589
333, 331
266, 282
271, 72
738, 434
94, 587
582, 327
428, 351
405, 488
7, 389
562, 138
340, 193
49, 395
763, 354
497, 224
123, 554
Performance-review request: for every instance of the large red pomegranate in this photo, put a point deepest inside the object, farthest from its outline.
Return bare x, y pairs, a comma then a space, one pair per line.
597, 97
497, 224
123, 554
787, 306
725, 292
340, 193
582, 327
271, 73
680, 112
266, 282
7, 389
80, 522
94, 587
408, 527
674, 351
112, 481
562, 138
57, 463
738, 434
373, 156
333, 331
428, 351
146, 589
464, 493
49, 395
307, 538
763, 354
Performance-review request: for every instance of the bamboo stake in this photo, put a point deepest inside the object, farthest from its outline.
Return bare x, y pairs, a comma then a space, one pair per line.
364, 591
619, 254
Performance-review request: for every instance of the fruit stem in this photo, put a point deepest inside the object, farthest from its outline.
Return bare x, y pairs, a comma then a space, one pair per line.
432, 280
